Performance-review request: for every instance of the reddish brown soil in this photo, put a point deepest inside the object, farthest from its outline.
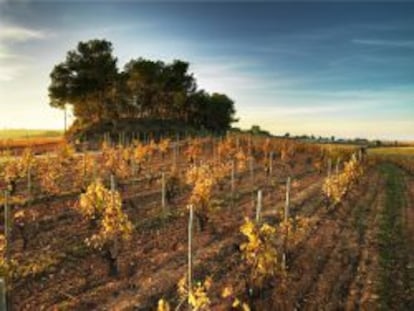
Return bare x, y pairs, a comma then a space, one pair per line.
333, 268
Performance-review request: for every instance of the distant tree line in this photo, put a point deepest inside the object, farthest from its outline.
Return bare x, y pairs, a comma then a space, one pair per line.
90, 81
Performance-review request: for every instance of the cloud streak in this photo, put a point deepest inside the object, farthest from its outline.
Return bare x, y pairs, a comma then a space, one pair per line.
11, 33
7, 74
385, 43
12, 63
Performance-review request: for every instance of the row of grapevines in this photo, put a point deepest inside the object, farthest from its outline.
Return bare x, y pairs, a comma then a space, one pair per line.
337, 185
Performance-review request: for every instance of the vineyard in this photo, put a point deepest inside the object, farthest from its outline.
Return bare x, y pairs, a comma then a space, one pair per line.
232, 223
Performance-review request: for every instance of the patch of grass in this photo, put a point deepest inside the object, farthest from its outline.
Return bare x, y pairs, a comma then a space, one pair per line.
394, 151
394, 275
359, 215
350, 147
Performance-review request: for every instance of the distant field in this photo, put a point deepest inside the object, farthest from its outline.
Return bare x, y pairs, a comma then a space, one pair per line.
339, 146
18, 139
27, 133
394, 151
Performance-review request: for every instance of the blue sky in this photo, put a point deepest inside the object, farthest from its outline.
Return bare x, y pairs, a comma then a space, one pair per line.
343, 69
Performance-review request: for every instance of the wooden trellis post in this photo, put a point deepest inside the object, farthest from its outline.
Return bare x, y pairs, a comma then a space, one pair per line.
249, 147
7, 224
134, 167
271, 164
113, 185
163, 201
178, 144
213, 150
83, 168
29, 182
7, 235
95, 170
190, 259
338, 161
329, 167
259, 206
175, 154
286, 221
287, 203
252, 176
3, 290
233, 169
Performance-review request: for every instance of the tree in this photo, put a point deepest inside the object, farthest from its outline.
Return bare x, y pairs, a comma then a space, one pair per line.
159, 89
197, 109
178, 85
222, 108
143, 83
211, 112
87, 80
256, 130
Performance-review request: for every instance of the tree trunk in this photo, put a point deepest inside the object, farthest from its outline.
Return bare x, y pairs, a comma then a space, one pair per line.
111, 256
202, 220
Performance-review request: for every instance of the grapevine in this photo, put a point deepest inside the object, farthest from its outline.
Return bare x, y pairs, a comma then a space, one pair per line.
104, 208
163, 147
116, 160
337, 185
197, 297
194, 151
259, 252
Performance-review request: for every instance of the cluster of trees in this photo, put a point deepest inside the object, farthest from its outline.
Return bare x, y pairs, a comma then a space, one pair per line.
254, 130
90, 81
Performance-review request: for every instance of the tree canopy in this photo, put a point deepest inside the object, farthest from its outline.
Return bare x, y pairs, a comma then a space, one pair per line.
87, 79
90, 81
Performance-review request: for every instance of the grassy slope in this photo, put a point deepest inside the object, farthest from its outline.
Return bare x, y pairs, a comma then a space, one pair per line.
394, 288
394, 151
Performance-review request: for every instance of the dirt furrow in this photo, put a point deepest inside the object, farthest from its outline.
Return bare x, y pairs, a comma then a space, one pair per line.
320, 252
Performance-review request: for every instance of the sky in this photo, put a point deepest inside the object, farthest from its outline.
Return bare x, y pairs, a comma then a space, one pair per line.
324, 68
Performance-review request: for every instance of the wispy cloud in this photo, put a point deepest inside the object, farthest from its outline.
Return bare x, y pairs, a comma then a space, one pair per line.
20, 34
7, 55
306, 110
12, 63
9, 72
384, 100
385, 43
222, 77
238, 77
10, 66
